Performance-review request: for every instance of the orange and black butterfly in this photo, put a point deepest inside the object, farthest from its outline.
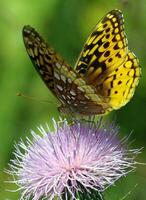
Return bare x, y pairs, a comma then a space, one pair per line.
105, 75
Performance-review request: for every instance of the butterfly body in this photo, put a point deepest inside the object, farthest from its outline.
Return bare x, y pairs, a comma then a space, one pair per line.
104, 77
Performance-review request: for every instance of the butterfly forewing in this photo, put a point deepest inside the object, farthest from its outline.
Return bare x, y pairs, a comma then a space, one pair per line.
41, 55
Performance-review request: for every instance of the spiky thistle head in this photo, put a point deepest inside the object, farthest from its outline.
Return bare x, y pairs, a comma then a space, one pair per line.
71, 159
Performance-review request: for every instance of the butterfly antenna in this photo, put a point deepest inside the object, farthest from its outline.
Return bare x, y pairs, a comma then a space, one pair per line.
33, 98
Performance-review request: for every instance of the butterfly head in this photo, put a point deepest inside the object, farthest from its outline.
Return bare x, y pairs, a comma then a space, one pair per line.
65, 110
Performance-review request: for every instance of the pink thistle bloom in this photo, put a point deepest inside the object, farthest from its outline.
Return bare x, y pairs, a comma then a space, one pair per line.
60, 163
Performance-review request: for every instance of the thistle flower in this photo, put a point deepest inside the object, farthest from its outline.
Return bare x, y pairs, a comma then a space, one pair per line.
72, 159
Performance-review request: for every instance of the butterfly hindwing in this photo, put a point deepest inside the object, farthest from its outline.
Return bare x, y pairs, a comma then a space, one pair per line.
75, 95
119, 86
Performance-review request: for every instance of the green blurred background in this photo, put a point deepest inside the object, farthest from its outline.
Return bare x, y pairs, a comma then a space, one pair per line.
65, 25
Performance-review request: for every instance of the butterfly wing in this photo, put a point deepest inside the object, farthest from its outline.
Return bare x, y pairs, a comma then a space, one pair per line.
104, 53
42, 56
119, 85
67, 85
105, 49
76, 96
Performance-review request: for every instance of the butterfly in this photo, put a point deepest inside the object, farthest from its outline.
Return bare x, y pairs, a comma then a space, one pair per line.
104, 77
